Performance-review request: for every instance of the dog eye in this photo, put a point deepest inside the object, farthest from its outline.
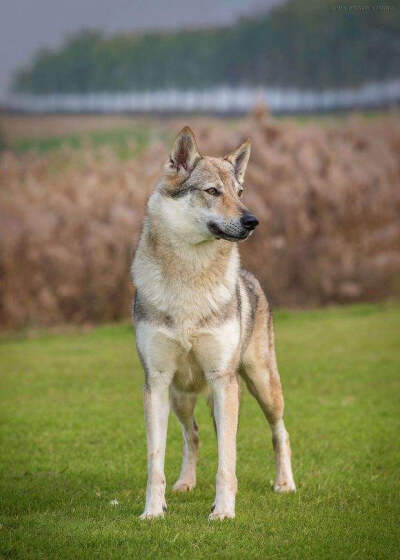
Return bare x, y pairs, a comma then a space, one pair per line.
240, 192
213, 191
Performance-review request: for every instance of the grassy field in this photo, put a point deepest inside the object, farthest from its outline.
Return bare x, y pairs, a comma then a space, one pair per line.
126, 141
126, 135
44, 133
73, 440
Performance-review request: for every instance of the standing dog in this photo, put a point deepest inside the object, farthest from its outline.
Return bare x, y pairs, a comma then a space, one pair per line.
200, 320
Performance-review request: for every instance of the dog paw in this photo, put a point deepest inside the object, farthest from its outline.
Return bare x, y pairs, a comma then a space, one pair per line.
284, 487
220, 515
182, 486
150, 514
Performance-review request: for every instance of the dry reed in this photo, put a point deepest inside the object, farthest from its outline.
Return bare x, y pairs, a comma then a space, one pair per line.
328, 198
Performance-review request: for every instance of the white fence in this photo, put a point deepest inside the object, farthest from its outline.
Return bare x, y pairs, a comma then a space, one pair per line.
217, 100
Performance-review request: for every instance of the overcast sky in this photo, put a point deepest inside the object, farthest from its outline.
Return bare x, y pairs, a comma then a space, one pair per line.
27, 25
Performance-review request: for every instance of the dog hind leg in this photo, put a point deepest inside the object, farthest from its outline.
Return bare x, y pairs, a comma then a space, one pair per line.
260, 372
183, 406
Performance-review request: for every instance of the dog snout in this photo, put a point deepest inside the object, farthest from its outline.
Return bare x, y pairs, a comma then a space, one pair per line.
249, 221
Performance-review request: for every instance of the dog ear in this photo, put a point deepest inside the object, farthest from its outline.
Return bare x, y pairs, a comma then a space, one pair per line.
184, 154
239, 158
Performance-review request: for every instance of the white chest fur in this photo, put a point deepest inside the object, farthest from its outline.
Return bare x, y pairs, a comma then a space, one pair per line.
188, 285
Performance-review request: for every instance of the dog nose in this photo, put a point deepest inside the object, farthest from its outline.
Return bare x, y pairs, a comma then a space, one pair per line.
249, 221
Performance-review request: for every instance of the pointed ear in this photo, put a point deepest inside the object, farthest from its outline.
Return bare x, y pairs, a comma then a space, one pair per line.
239, 158
184, 154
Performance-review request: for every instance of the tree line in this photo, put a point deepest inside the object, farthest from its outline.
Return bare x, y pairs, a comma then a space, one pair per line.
302, 43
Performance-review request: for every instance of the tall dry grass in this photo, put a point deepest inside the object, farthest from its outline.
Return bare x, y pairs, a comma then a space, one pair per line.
328, 198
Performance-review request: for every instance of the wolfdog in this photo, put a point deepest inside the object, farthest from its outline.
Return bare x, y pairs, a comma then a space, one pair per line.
201, 321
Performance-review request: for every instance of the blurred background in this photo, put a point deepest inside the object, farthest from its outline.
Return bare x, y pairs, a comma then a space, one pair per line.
92, 94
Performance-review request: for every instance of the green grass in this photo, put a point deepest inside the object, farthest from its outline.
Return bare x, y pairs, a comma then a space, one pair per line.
73, 439
131, 140
125, 141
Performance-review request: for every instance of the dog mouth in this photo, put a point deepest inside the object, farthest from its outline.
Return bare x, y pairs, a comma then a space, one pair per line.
220, 234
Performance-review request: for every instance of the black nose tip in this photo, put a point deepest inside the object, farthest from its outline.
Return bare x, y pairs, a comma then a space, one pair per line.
249, 221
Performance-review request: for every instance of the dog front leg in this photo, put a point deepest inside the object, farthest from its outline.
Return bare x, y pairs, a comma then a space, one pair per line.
225, 391
156, 405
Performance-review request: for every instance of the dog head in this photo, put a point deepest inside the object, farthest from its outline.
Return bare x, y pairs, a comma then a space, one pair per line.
203, 193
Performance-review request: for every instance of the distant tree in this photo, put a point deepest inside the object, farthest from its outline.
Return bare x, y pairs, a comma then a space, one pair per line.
303, 43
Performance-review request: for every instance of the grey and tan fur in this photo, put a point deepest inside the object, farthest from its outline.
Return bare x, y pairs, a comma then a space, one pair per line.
201, 320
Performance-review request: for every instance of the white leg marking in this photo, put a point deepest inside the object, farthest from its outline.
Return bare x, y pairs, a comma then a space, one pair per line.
156, 403
183, 406
284, 477
226, 408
